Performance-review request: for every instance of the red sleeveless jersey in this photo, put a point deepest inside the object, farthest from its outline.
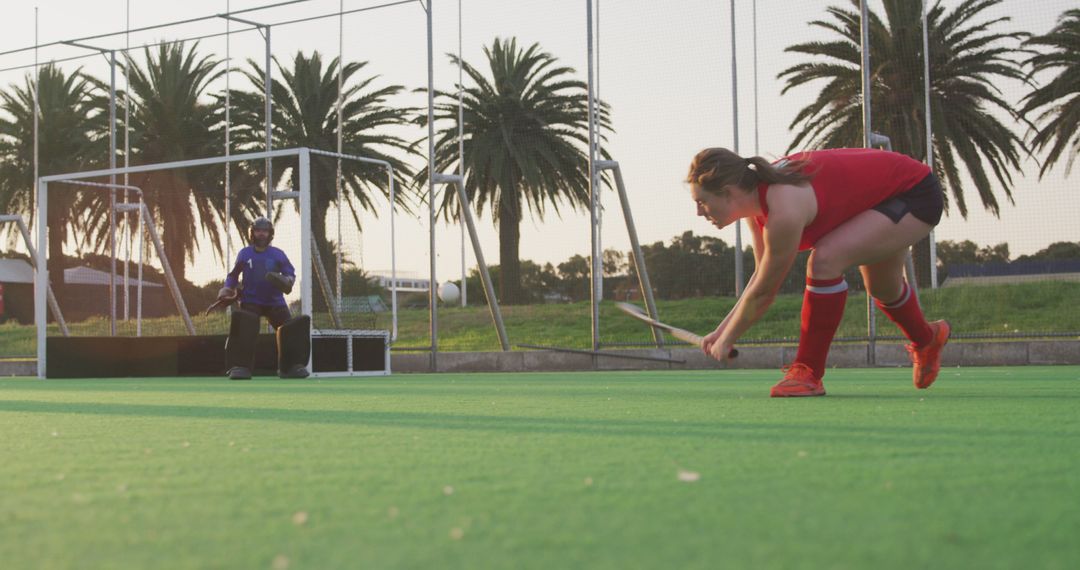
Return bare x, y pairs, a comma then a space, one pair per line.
847, 182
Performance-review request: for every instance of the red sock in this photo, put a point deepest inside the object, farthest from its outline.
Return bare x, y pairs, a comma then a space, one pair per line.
908, 315
822, 309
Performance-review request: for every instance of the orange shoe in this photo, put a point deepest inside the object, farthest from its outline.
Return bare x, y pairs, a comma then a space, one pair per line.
799, 380
927, 360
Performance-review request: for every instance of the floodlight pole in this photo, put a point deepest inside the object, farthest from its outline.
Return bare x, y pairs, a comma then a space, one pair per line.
112, 192
735, 135
269, 139
127, 155
871, 325
461, 152
37, 109
595, 296
929, 135
340, 142
433, 310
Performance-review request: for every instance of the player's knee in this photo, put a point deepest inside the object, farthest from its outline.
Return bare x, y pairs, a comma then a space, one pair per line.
244, 323
825, 264
886, 291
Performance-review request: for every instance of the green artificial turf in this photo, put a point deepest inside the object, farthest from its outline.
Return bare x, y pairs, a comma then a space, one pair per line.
574, 470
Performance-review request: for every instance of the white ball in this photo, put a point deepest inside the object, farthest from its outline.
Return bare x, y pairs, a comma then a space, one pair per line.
449, 293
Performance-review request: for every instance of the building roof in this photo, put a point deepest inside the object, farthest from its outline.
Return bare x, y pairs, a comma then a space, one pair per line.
16, 271
19, 271
86, 276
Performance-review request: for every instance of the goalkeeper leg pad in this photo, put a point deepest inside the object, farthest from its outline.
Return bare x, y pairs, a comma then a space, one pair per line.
240, 346
294, 347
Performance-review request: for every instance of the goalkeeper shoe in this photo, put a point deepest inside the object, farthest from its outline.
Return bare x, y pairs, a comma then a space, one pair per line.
239, 373
298, 371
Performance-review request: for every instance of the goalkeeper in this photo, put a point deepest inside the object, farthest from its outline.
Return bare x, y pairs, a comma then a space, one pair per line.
260, 279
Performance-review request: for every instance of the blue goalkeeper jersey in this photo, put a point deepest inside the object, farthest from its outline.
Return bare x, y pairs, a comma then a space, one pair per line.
254, 265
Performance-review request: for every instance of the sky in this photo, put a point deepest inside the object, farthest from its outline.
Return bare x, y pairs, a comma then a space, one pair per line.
665, 67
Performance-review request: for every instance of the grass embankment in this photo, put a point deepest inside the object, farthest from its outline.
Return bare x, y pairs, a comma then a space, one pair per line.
1029, 308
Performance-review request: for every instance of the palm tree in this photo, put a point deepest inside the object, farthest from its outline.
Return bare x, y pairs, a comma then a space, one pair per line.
305, 115
1060, 98
525, 144
967, 60
171, 119
70, 138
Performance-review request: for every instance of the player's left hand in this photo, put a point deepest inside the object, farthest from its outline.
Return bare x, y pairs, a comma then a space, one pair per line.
721, 349
227, 294
281, 282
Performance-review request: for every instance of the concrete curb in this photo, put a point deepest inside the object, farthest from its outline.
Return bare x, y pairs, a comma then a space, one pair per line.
1014, 353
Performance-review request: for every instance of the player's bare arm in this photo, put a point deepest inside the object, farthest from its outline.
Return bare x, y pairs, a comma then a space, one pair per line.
757, 244
791, 208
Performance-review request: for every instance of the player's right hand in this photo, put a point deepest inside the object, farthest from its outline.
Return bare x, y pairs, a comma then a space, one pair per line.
226, 293
710, 339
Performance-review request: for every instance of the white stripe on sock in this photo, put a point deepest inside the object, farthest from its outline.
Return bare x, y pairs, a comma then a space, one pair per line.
903, 299
828, 289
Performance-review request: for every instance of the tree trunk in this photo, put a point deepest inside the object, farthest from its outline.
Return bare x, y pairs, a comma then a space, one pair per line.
509, 246
172, 230
55, 262
326, 254
174, 251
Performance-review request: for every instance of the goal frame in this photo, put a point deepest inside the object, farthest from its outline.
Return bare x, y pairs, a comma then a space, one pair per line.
302, 194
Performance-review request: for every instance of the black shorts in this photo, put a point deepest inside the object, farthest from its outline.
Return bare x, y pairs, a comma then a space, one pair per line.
276, 314
925, 201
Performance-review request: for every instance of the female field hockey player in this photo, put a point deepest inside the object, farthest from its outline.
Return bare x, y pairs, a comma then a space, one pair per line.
851, 207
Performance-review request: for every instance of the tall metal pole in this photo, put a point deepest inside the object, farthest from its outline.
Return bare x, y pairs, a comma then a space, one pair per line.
594, 265
228, 134
461, 153
37, 112
735, 133
929, 135
871, 326
597, 157
269, 141
127, 152
42, 273
112, 193
433, 309
757, 148
757, 133
340, 145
